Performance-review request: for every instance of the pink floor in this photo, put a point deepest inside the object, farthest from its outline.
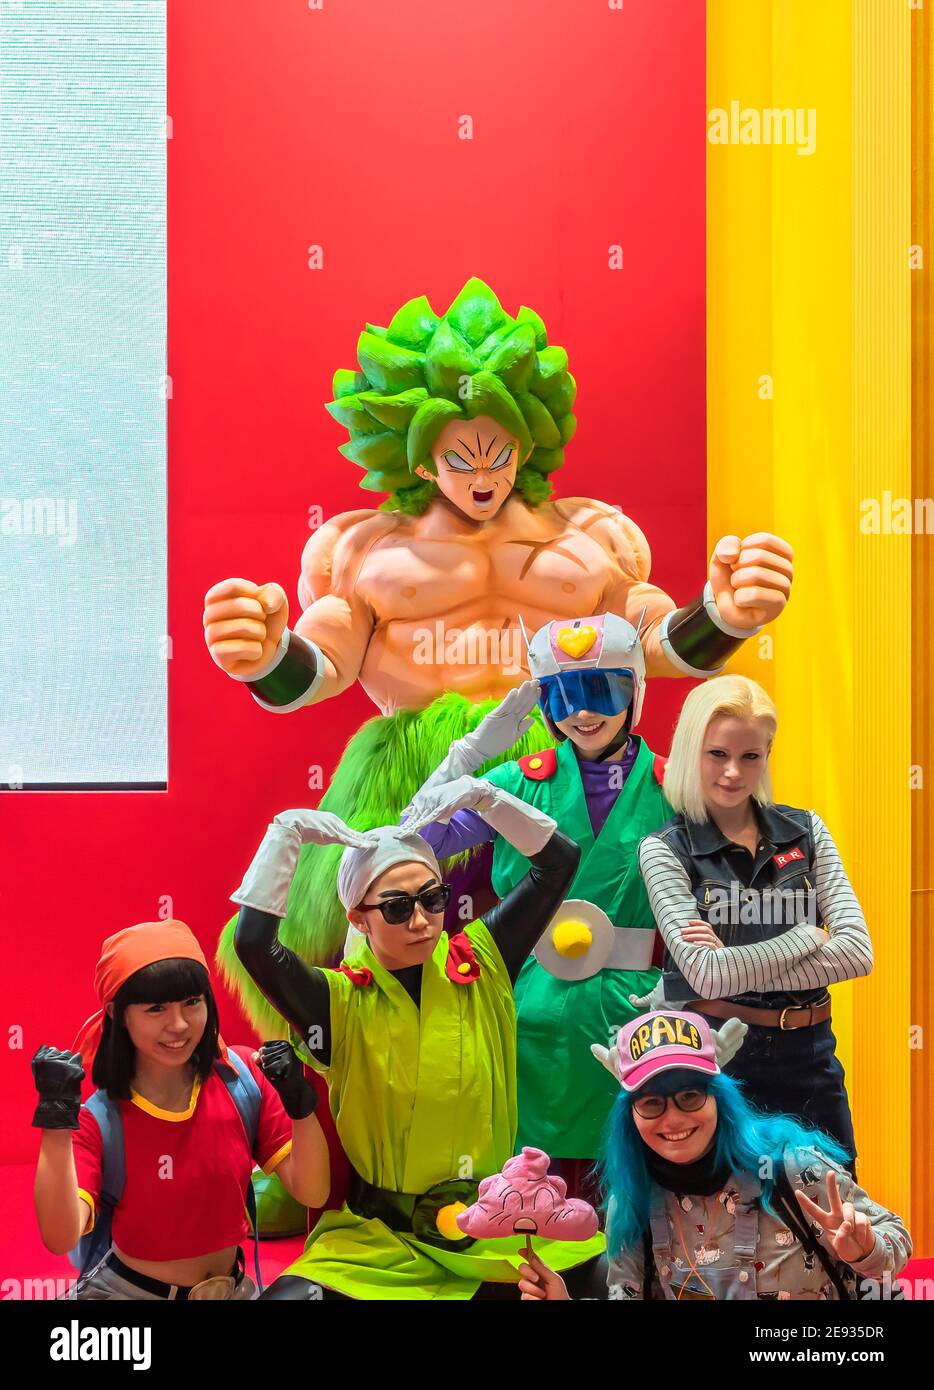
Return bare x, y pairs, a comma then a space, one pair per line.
27, 1270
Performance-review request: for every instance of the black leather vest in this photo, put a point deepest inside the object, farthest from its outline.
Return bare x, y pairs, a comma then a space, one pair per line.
747, 899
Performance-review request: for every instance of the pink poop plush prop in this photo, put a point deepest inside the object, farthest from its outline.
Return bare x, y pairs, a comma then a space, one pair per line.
524, 1200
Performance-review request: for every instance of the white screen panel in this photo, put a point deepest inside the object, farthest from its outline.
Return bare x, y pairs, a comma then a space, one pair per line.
83, 670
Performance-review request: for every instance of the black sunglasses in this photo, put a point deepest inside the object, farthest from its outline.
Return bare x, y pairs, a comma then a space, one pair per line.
652, 1107
398, 910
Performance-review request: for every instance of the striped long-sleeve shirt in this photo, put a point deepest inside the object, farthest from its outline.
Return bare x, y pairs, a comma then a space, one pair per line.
798, 958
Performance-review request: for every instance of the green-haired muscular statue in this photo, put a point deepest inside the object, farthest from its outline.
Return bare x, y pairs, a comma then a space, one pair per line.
462, 420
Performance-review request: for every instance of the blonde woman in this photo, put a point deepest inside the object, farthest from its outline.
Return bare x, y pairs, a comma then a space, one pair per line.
754, 906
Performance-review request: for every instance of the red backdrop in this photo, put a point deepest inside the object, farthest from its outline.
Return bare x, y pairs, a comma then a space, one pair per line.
338, 127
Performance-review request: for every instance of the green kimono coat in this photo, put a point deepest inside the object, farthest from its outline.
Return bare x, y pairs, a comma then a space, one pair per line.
564, 1094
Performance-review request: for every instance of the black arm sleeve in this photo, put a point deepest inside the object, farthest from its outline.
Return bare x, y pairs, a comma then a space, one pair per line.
517, 922
299, 992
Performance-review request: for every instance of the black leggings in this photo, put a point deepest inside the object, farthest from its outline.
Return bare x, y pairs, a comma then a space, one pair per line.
588, 1280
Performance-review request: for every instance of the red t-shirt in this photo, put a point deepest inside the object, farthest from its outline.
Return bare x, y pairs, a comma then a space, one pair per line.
186, 1173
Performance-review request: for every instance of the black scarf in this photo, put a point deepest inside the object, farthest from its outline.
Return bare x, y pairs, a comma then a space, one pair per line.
702, 1178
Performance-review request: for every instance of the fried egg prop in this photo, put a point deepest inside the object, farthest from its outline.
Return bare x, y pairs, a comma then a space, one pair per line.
577, 942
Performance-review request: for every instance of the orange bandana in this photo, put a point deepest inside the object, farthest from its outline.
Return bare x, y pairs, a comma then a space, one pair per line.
121, 956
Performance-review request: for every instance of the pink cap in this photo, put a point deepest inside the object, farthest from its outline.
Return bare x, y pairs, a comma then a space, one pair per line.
661, 1041
524, 1199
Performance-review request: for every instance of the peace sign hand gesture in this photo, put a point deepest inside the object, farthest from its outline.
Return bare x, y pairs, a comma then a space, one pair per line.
850, 1231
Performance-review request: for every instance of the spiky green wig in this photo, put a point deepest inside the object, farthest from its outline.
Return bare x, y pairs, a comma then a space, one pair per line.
423, 371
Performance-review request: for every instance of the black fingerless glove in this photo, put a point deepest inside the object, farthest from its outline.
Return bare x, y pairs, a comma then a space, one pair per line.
285, 1072
58, 1075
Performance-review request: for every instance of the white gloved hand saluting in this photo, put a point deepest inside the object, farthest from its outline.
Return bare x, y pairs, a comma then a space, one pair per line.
267, 881
504, 726
496, 733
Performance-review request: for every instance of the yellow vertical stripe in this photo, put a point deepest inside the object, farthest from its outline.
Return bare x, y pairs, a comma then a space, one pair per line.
808, 340
922, 702
882, 659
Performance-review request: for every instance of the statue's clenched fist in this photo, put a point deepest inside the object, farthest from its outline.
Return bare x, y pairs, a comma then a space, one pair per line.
243, 623
751, 578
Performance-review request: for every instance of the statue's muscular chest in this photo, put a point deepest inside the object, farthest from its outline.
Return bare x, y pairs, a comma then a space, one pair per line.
555, 567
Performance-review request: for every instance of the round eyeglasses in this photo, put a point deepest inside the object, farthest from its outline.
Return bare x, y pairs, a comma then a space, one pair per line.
653, 1107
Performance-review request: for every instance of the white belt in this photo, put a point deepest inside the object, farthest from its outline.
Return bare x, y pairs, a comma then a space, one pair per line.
633, 948
580, 941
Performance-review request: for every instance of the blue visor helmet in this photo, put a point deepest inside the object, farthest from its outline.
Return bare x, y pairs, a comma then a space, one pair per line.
597, 691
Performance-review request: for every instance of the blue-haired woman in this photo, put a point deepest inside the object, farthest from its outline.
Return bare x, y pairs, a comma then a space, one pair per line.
707, 1198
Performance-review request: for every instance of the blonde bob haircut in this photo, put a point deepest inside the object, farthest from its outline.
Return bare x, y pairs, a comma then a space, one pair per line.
730, 695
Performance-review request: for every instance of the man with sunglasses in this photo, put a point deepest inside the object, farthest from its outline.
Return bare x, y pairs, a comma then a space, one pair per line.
416, 1036
602, 785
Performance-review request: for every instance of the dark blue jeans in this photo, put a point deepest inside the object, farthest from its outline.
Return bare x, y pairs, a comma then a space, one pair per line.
796, 1072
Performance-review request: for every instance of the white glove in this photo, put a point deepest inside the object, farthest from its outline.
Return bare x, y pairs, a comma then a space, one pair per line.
495, 734
324, 828
502, 727
528, 830
608, 1057
647, 1003
440, 803
525, 827
728, 1040
267, 881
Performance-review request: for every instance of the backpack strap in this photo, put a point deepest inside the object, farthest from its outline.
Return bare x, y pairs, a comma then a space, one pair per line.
746, 1220
784, 1198
658, 1223
91, 1249
243, 1089
648, 1267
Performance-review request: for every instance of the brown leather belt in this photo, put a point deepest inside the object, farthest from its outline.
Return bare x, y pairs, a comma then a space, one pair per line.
796, 1016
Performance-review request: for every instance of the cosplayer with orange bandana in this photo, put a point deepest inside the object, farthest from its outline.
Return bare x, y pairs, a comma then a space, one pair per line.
167, 1104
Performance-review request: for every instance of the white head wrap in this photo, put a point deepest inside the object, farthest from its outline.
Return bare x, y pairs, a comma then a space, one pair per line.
360, 867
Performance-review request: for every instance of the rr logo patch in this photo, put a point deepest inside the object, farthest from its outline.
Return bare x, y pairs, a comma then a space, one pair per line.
787, 858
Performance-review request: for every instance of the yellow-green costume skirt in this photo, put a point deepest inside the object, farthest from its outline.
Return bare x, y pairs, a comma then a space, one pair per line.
421, 1096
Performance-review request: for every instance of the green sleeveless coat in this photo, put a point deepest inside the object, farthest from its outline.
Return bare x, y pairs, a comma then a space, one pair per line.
565, 1095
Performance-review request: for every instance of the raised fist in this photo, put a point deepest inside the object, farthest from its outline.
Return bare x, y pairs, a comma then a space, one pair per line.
284, 1071
751, 578
58, 1074
243, 623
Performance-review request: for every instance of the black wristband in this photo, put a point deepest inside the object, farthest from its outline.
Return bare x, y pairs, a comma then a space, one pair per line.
292, 678
696, 640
